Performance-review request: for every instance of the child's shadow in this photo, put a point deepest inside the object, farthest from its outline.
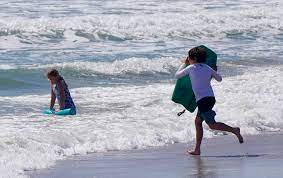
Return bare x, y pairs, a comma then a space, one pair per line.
206, 168
235, 156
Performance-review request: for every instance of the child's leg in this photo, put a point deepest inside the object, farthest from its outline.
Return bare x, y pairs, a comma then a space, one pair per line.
223, 127
199, 135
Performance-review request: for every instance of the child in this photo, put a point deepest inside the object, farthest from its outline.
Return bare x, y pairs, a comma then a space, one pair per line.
201, 75
60, 91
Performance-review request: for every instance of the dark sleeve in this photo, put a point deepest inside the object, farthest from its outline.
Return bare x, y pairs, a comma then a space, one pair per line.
214, 67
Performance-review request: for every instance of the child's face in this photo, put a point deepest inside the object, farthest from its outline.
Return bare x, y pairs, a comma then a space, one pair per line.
192, 61
52, 79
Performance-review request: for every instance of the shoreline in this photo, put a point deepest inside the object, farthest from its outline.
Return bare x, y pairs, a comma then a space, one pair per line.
222, 156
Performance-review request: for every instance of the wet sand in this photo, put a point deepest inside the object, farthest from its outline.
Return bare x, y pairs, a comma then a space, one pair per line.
223, 156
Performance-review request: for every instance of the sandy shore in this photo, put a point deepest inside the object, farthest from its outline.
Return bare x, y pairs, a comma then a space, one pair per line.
259, 156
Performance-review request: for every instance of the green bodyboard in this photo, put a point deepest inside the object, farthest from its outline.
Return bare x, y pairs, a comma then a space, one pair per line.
183, 92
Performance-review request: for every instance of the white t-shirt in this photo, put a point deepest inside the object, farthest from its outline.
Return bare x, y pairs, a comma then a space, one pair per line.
200, 75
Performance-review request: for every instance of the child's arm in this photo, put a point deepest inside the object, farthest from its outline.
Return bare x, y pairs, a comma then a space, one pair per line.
53, 99
182, 71
61, 86
216, 76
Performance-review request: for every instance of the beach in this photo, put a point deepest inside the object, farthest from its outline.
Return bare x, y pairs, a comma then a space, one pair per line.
119, 60
260, 156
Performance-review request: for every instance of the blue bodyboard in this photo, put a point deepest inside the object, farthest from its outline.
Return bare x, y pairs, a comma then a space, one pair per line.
63, 112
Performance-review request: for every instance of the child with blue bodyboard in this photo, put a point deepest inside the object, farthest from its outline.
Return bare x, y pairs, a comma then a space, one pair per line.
200, 75
60, 91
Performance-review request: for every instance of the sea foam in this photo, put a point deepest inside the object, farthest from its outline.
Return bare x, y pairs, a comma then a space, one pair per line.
130, 117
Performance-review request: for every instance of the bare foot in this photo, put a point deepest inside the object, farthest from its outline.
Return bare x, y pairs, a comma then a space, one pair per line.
195, 152
237, 132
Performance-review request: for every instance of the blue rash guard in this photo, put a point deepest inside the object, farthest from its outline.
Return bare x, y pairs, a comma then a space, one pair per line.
69, 104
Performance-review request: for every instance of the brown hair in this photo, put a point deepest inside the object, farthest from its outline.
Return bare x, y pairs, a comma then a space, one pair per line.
52, 72
197, 53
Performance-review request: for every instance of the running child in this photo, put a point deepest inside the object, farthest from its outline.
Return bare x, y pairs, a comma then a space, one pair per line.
201, 75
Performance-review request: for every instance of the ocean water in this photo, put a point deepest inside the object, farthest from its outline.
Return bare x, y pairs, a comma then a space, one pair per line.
119, 59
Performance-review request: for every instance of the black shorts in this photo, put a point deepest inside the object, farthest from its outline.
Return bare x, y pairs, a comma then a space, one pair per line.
205, 111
